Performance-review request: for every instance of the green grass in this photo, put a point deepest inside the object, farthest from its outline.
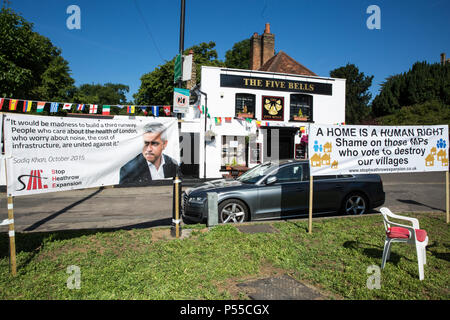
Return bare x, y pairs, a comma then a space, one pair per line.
130, 264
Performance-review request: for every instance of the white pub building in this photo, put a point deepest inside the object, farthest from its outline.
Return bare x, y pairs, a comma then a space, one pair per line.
258, 114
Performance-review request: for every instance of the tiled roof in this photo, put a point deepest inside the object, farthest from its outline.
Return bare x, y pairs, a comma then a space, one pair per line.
282, 63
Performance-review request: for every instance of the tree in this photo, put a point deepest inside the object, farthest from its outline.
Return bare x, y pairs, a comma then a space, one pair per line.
422, 83
107, 94
31, 67
157, 86
239, 56
357, 96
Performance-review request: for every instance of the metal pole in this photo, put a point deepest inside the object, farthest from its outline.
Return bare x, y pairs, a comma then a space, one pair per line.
183, 6
204, 138
181, 47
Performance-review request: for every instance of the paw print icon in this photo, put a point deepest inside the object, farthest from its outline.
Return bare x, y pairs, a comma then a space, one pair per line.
441, 144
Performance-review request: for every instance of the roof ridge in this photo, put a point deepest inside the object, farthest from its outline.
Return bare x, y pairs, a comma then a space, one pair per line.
275, 64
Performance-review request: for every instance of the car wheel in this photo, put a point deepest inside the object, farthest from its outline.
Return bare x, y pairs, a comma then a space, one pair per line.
232, 211
355, 204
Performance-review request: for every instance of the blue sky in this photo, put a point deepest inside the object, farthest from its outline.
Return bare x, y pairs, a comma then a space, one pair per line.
116, 45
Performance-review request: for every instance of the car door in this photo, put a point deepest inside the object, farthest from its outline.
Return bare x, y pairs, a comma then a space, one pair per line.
288, 196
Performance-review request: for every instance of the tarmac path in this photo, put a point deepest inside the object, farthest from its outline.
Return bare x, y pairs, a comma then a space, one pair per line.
143, 207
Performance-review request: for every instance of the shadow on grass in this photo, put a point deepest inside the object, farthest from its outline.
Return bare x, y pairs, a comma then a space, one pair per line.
371, 252
33, 242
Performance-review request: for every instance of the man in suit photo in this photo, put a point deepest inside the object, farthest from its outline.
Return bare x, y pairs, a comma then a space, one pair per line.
151, 164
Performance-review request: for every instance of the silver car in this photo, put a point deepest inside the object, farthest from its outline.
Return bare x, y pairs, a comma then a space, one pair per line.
281, 190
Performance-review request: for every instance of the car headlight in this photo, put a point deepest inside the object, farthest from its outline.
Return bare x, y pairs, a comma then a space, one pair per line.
197, 200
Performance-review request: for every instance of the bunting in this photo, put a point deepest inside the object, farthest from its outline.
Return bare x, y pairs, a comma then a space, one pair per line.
93, 108
166, 110
106, 110
218, 121
27, 105
12, 104
155, 111
40, 106
54, 107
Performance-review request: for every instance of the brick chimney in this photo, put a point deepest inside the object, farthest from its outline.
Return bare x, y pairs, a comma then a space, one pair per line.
268, 45
262, 48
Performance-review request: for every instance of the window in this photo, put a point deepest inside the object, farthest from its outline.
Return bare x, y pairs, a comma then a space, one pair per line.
233, 151
292, 173
245, 105
301, 107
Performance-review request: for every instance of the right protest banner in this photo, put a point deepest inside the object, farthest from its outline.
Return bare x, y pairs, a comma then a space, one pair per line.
351, 149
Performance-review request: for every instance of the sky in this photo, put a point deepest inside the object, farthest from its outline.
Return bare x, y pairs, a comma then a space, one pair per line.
120, 40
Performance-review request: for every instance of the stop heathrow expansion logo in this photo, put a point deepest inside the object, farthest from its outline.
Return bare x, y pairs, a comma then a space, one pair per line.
34, 181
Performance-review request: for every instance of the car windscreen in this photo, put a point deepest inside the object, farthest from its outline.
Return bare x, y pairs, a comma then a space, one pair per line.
256, 173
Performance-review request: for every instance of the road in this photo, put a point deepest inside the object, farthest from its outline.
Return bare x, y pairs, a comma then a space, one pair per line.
143, 207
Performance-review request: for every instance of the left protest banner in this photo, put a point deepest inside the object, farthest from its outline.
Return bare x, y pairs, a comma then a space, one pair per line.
48, 154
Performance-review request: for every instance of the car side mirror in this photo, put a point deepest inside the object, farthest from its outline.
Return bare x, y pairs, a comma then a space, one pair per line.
271, 180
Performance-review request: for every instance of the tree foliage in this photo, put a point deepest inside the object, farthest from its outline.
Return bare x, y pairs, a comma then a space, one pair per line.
428, 113
357, 96
422, 83
157, 86
239, 56
31, 67
107, 94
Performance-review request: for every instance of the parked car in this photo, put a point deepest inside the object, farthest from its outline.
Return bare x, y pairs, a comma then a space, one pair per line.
281, 190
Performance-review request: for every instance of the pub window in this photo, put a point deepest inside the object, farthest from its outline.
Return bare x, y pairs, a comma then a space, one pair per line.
233, 151
245, 105
301, 107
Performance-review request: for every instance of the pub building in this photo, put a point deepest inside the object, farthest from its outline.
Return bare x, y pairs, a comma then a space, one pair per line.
250, 109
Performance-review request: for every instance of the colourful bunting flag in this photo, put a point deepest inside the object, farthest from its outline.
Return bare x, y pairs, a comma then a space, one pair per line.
155, 111
54, 107
218, 120
12, 104
130, 109
27, 105
40, 106
228, 119
106, 110
1, 103
166, 110
258, 123
93, 108
67, 106
80, 107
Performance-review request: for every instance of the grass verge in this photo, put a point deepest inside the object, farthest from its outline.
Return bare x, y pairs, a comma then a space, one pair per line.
136, 264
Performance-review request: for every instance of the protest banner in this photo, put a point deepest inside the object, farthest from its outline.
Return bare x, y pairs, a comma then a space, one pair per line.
48, 154
349, 149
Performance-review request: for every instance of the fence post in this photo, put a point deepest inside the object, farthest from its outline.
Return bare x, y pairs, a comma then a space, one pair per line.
176, 227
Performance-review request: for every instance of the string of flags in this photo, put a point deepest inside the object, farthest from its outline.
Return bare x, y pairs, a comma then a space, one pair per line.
14, 104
